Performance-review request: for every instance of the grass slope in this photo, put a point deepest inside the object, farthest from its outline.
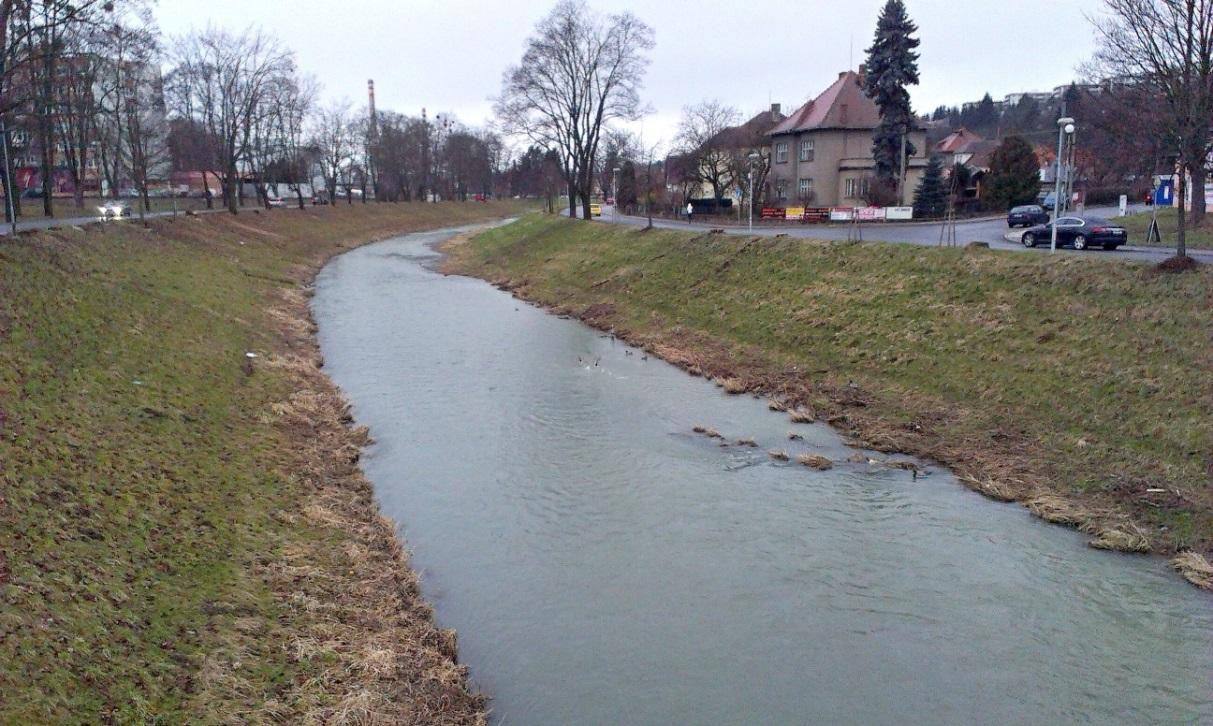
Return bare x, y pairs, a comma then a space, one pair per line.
1082, 386
179, 540
1138, 224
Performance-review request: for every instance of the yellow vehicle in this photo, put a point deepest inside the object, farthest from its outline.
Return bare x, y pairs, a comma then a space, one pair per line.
595, 210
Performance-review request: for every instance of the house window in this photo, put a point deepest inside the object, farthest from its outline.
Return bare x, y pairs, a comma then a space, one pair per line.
781, 152
806, 188
806, 150
857, 188
781, 189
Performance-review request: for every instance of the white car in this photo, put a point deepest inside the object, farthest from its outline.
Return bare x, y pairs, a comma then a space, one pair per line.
114, 210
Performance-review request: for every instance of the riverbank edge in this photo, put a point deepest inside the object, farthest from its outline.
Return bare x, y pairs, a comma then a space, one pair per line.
378, 613
352, 637
757, 373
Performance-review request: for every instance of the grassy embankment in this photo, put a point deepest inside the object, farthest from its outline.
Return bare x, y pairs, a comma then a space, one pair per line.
1137, 225
1081, 387
184, 531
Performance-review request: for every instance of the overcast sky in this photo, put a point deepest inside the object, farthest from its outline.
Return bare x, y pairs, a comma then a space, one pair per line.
448, 55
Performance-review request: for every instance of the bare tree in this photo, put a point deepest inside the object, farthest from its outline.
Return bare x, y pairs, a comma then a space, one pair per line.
39, 38
333, 137
1167, 46
702, 133
580, 70
79, 106
290, 116
222, 81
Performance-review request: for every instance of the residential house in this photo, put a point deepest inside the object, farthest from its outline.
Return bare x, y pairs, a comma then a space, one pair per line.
965, 148
822, 152
730, 148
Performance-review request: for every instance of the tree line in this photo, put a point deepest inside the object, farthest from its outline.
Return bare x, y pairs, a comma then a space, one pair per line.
93, 98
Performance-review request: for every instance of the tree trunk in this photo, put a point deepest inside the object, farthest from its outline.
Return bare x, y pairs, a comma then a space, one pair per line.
572, 198
1198, 193
230, 191
1181, 246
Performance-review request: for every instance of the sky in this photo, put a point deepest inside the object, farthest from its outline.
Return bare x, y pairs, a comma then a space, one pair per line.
449, 55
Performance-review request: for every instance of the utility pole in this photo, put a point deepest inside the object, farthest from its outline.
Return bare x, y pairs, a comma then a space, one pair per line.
1065, 125
753, 156
901, 167
6, 8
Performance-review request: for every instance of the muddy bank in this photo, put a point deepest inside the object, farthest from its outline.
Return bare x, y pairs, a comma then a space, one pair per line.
562, 267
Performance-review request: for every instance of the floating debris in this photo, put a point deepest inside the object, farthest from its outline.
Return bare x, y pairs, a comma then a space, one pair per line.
802, 415
793, 436
779, 455
815, 461
748, 442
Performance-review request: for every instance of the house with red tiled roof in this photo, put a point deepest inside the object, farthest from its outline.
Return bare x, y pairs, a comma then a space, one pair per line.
822, 152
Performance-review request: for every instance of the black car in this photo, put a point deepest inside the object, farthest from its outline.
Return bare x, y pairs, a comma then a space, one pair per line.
1079, 232
1027, 216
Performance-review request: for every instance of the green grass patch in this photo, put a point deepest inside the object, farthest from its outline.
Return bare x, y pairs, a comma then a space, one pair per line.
139, 486
1138, 224
1088, 378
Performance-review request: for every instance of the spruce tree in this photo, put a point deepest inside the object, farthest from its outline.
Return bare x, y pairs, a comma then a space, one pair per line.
1014, 176
931, 196
892, 65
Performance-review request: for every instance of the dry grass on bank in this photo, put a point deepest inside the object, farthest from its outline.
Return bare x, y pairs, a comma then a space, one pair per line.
1086, 381
184, 533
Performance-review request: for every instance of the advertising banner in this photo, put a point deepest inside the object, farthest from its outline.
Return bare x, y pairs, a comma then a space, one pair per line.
842, 214
795, 212
773, 212
816, 214
870, 214
898, 213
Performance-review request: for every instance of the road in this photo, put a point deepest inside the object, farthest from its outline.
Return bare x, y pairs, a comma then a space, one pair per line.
992, 231
44, 223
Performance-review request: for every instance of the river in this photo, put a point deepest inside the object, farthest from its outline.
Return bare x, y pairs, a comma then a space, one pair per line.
603, 564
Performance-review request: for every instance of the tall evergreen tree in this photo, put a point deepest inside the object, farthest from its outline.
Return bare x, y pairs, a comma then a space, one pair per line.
1014, 174
931, 196
892, 65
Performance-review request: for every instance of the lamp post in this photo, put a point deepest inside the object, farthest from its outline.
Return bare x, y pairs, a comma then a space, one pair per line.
1064, 126
753, 157
615, 192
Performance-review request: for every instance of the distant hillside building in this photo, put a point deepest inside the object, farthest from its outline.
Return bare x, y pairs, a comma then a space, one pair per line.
822, 152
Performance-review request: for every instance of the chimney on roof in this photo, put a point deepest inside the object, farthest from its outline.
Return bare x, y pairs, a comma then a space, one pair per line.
775, 112
863, 74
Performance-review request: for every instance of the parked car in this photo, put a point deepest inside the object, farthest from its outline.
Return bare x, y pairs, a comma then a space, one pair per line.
276, 202
1028, 215
595, 210
1078, 232
114, 210
1047, 199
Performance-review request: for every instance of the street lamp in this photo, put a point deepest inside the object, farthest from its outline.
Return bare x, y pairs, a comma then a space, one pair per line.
1065, 126
615, 192
753, 157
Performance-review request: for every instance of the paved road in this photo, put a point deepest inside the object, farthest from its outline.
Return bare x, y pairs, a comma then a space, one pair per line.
991, 230
42, 223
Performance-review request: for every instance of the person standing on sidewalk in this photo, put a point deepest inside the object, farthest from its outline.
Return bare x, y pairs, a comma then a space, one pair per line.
690, 211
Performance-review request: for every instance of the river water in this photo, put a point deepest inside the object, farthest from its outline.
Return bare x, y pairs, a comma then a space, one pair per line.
605, 565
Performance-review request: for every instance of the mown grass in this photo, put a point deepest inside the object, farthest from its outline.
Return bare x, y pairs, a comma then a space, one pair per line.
1138, 224
1081, 378
143, 493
